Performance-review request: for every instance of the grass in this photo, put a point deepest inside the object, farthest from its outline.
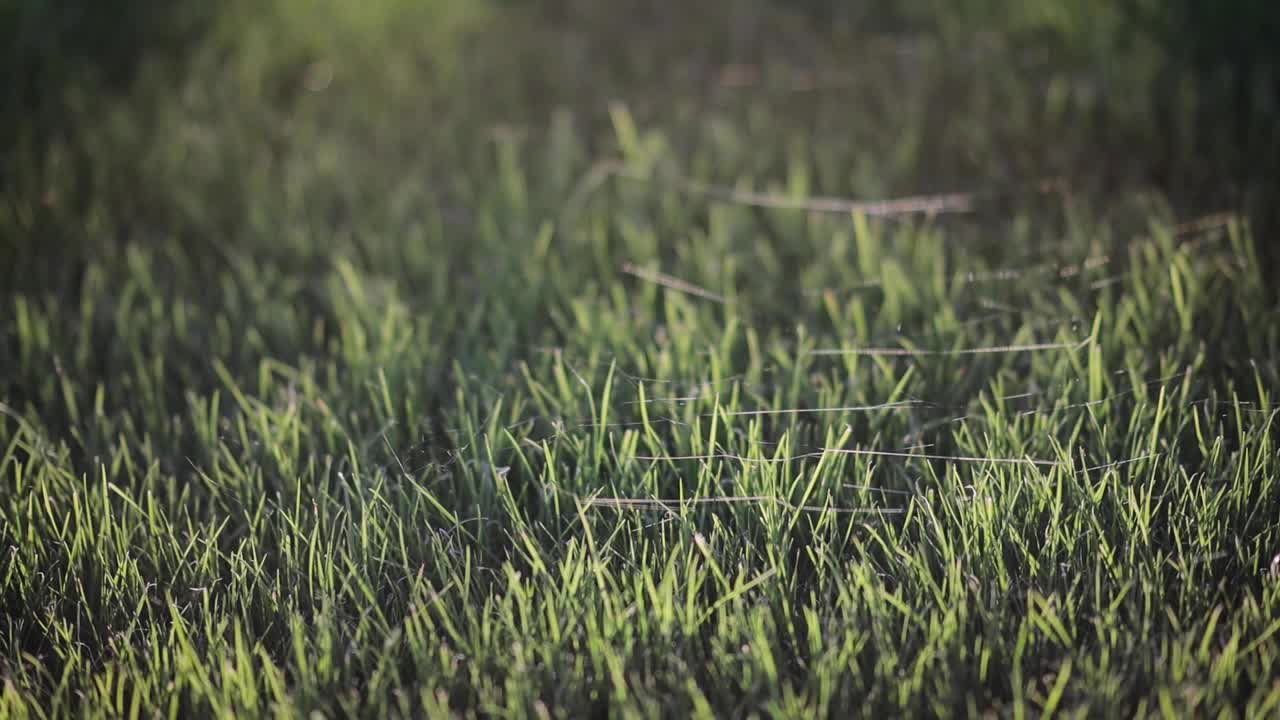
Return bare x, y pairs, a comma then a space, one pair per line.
425, 361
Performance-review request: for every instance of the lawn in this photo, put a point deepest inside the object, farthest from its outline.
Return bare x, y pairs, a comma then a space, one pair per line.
571, 359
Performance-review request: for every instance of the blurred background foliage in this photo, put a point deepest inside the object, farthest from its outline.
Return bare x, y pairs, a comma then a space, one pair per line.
158, 114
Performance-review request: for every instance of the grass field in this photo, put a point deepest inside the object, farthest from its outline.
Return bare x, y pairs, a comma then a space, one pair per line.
559, 360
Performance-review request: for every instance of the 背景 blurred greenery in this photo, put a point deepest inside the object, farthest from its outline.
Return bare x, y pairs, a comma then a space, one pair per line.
1177, 96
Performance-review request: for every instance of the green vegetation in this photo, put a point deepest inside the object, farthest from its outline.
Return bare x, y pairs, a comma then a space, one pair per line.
529, 360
